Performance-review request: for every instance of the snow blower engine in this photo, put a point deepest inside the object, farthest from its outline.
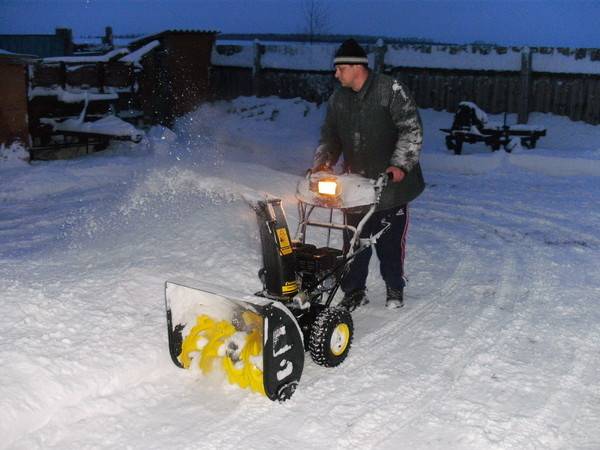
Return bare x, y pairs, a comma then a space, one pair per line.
258, 341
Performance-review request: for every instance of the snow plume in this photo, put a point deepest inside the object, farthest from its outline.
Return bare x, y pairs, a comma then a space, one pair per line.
156, 198
216, 134
177, 183
161, 140
200, 136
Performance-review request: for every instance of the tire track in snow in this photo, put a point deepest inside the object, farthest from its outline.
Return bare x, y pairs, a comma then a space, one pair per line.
528, 216
408, 323
323, 388
511, 293
552, 412
548, 426
470, 343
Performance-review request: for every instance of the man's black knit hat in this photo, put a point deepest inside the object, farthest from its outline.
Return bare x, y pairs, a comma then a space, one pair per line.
350, 52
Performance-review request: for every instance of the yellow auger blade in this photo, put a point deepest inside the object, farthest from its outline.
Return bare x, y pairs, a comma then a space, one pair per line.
244, 372
206, 338
194, 341
209, 339
254, 342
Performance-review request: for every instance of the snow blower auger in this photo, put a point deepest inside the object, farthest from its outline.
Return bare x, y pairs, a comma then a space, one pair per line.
258, 341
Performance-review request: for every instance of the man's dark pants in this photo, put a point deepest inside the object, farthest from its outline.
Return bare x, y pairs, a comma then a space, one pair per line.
390, 249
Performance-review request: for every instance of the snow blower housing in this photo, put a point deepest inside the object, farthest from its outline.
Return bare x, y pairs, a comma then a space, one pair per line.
258, 341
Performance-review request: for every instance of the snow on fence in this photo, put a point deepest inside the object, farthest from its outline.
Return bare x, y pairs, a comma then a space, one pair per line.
514, 79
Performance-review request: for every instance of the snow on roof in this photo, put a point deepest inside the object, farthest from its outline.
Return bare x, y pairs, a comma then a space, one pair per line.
15, 56
136, 56
150, 37
108, 125
82, 59
71, 96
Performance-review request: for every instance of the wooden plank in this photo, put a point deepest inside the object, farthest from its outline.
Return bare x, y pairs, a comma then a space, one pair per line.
548, 96
559, 99
514, 94
469, 88
480, 86
588, 110
416, 82
524, 87
440, 93
496, 95
452, 97
596, 103
542, 95
428, 87
574, 104
535, 95
555, 84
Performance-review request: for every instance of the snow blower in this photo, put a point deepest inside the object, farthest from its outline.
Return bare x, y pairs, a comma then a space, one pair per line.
259, 341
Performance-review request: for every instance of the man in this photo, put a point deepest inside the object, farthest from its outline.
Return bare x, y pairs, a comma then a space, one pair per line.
373, 122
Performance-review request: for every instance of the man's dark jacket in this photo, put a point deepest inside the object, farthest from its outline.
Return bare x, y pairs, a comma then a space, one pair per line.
375, 128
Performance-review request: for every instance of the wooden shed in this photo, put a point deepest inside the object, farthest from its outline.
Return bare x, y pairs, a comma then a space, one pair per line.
175, 79
13, 92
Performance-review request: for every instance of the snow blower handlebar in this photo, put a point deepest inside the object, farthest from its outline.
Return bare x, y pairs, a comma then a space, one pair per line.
380, 183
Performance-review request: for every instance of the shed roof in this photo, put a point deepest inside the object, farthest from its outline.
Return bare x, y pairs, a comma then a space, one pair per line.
16, 58
136, 43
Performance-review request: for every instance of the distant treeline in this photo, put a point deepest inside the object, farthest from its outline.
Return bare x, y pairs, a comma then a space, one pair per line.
327, 38
116, 36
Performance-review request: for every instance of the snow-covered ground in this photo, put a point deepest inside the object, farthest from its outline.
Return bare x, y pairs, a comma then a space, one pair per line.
498, 345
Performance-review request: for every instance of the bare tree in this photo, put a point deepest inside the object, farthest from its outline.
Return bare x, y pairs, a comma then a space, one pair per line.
316, 17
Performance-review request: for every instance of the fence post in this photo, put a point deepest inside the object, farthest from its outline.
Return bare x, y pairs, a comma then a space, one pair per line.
256, 67
525, 86
380, 50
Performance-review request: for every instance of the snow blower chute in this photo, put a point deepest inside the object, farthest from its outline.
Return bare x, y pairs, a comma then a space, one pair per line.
258, 341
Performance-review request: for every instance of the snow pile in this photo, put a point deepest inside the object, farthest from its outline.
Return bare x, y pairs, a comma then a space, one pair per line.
72, 95
15, 153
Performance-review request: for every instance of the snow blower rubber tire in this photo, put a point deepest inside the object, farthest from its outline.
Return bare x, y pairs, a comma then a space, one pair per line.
331, 337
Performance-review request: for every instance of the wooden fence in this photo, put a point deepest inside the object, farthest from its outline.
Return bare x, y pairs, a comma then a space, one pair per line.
516, 80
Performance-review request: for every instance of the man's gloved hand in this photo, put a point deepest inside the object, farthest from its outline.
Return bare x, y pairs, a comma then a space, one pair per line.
397, 173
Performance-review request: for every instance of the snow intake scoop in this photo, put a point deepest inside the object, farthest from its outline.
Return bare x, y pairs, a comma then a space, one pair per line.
254, 342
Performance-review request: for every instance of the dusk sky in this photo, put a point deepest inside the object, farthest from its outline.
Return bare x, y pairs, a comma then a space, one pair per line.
571, 23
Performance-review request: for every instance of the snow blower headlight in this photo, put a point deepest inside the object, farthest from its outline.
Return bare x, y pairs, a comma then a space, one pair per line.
328, 187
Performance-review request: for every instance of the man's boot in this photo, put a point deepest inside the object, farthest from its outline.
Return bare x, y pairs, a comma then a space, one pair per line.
354, 299
395, 298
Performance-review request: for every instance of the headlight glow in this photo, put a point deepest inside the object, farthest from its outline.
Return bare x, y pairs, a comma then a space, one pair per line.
327, 187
